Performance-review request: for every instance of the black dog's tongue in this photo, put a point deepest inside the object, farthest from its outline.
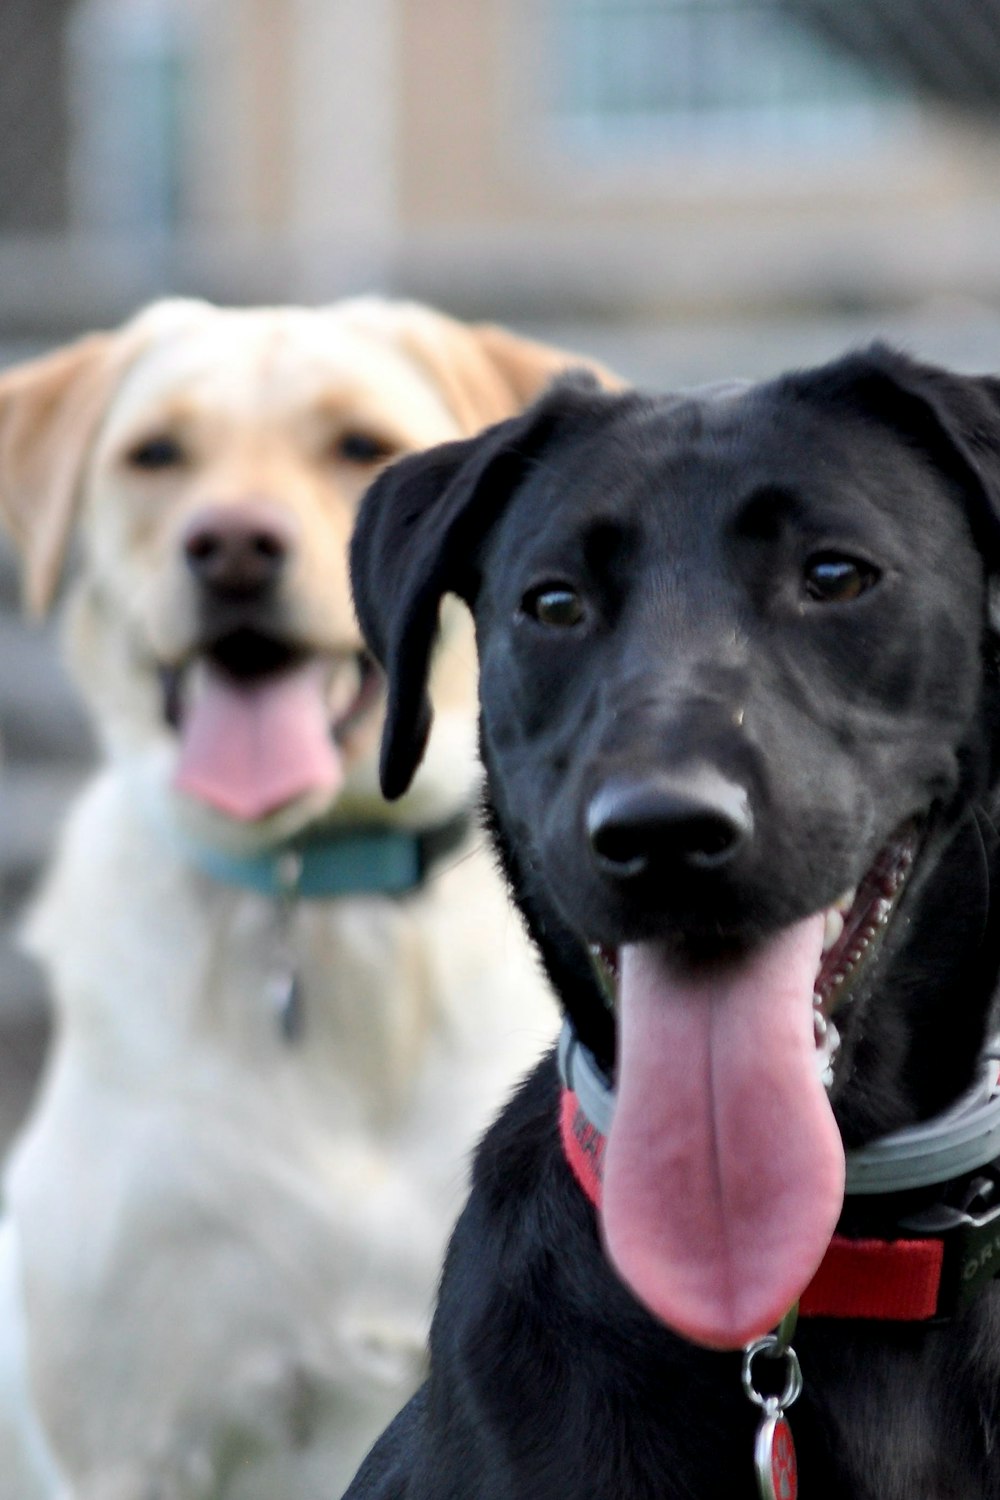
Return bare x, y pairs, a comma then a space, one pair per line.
724, 1170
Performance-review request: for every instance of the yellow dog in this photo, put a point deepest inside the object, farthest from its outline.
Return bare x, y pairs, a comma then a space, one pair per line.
278, 1002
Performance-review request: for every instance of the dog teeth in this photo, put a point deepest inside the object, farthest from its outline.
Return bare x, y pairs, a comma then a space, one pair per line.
827, 1039
827, 1047
834, 928
844, 903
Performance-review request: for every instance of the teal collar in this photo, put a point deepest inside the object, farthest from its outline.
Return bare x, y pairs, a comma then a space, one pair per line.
359, 861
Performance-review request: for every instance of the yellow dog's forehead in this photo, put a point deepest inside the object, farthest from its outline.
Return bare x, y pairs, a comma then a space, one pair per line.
277, 365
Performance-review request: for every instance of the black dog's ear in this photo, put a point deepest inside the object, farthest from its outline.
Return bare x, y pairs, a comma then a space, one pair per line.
954, 419
416, 538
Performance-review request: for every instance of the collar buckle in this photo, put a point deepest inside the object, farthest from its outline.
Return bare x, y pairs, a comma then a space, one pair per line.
970, 1234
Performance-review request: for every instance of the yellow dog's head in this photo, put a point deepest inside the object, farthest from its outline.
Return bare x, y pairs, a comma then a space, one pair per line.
211, 460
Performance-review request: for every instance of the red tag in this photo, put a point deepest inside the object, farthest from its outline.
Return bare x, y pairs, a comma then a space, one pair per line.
774, 1458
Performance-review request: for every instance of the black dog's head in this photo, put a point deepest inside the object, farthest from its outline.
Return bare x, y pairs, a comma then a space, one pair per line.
738, 692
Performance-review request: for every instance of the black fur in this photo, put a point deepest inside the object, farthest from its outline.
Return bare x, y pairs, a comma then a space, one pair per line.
686, 524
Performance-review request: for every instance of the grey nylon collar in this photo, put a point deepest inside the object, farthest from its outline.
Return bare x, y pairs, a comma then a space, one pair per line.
959, 1140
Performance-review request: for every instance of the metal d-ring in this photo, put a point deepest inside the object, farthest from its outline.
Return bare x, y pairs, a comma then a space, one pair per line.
772, 1346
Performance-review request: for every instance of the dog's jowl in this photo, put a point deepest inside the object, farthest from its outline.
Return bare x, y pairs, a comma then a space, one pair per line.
739, 709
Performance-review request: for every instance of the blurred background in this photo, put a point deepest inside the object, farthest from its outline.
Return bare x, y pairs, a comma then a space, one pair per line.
689, 189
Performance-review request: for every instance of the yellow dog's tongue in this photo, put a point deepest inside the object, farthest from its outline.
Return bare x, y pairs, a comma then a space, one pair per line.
249, 748
724, 1170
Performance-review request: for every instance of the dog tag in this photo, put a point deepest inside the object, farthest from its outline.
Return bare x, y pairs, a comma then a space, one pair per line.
774, 1457
774, 1450
284, 989
285, 997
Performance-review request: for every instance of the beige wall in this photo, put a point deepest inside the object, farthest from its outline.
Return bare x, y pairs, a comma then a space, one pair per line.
452, 140
494, 207
238, 133
336, 145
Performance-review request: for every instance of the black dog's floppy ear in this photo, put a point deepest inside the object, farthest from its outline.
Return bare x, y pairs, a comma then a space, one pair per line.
415, 540
953, 418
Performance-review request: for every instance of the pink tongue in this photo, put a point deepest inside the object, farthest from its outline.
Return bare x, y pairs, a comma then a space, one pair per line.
249, 748
724, 1171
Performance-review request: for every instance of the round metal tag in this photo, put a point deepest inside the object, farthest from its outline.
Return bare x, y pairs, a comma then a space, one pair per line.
774, 1459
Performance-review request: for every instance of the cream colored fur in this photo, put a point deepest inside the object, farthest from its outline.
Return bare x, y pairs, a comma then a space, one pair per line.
219, 1249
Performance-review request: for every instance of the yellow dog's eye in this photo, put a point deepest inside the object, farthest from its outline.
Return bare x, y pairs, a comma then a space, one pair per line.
363, 448
554, 604
158, 452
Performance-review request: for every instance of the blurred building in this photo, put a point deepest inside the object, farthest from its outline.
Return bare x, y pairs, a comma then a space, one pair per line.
594, 157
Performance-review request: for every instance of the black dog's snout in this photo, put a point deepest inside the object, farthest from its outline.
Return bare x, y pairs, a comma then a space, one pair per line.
237, 550
698, 821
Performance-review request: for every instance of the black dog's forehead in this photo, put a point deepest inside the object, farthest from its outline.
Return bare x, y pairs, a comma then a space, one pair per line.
708, 457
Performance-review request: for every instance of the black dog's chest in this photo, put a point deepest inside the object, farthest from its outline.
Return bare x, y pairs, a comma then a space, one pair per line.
588, 1397
895, 1414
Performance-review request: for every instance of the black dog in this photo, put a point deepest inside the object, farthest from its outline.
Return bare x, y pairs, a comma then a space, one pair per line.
740, 691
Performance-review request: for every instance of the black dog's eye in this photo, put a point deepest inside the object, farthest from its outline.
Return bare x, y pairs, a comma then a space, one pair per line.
363, 448
832, 579
554, 604
160, 452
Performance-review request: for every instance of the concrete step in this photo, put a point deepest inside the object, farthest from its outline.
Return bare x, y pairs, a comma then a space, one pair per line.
10, 578
34, 800
23, 1042
41, 717
24, 995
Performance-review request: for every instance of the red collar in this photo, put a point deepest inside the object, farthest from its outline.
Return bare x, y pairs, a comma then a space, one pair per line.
898, 1280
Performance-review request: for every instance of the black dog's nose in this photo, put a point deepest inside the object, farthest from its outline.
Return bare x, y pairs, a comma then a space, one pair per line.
694, 821
237, 549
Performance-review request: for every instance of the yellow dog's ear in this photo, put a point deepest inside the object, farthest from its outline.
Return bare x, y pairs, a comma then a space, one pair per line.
484, 372
50, 410
526, 367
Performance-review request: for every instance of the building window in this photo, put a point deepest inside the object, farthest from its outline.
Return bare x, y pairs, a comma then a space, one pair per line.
704, 72
126, 74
